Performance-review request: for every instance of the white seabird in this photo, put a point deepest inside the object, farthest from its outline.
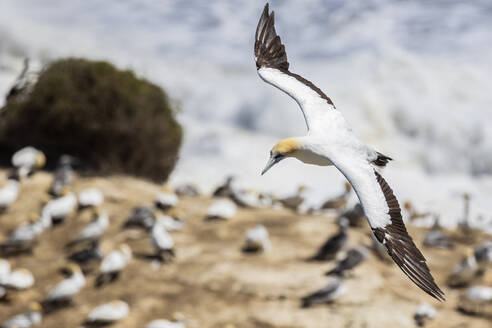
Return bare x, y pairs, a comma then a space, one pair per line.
332, 291
59, 208
63, 175
24, 237
162, 241
222, 209
28, 159
477, 300
9, 192
171, 223
4, 271
113, 263
424, 313
31, 318
109, 312
162, 323
20, 279
331, 141
465, 271
90, 197
257, 240
166, 199
93, 230
63, 292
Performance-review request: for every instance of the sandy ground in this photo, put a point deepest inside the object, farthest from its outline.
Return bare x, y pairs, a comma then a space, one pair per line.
212, 283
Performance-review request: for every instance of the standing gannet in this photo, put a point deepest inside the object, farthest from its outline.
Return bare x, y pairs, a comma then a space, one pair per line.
59, 208
90, 197
33, 317
330, 293
331, 141
93, 230
354, 257
63, 175
27, 160
10, 191
109, 313
113, 263
162, 241
423, 314
330, 248
64, 291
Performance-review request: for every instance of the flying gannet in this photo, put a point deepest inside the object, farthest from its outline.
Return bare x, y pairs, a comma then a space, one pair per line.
331, 141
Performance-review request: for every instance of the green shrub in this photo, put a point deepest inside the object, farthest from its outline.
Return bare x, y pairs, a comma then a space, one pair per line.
112, 120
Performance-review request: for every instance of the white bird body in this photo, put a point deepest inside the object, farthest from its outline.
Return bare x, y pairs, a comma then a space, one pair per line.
331, 141
161, 239
20, 279
116, 260
166, 200
479, 293
60, 207
222, 209
9, 193
109, 312
257, 239
170, 223
4, 271
67, 288
94, 229
26, 233
161, 323
91, 197
27, 159
31, 318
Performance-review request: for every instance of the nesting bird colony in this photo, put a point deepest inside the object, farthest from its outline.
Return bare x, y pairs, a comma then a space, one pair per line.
90, 251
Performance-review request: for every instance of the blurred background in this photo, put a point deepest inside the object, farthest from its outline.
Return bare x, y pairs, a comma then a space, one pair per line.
411, 77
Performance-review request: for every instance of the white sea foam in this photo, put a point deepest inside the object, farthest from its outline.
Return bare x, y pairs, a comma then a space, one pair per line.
413, 78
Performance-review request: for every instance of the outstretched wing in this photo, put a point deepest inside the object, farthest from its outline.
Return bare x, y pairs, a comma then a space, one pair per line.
273, 68
384, 215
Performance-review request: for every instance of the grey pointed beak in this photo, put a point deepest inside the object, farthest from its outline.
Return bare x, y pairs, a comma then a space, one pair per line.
271, 162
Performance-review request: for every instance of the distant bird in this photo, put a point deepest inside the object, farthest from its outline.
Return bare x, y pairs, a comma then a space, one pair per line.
63, 176
27, 160
162, 241
477, 300
63, 293
293, 202
225, 190
331, 141
423, 314
436, 237
59, 208
355, 216
464, 272
333, 244
188, 190
23, 238
20, 279
354, 257
4, 271
9, 192
256, 240
113, 264
333, 290
94, 230
339, 202
483, 254
464, 222
170, 223
90, 197
161, 323
31, 318
86, 255
223, 209
166, 199
413, 213
109, 313
142, 216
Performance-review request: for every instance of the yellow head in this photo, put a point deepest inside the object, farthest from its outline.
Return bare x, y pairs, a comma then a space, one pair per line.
283, 149
40, 160
35, 307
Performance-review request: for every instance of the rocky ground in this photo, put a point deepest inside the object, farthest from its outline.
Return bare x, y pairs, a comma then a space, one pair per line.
212, 283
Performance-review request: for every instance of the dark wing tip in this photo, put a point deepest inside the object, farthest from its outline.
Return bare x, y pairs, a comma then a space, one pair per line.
269, 50
381, 160
401, 247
